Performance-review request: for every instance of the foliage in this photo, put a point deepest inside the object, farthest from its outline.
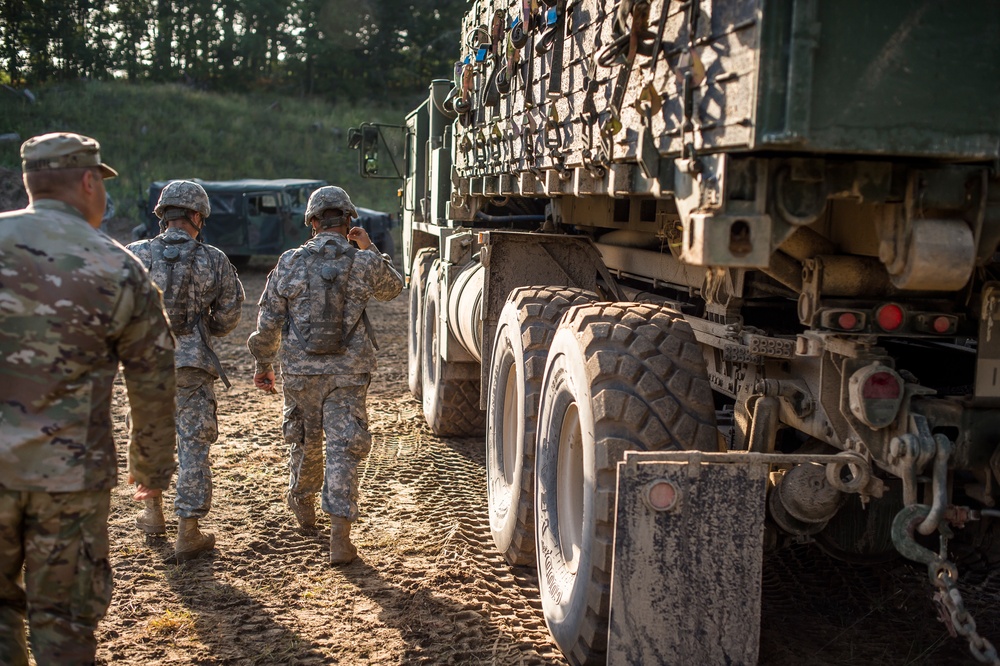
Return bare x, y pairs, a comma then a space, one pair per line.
156, 132
331, 48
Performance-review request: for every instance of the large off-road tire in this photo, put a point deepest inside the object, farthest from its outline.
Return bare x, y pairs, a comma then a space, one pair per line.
524, 332
450, 391
619, 377
414, 349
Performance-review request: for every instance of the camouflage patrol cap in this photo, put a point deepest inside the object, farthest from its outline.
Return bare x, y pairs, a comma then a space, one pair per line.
326, 198
183, 194
62, 150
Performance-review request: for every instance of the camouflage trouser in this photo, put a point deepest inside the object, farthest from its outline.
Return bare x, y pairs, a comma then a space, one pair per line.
328, 408
61, 539
197, 430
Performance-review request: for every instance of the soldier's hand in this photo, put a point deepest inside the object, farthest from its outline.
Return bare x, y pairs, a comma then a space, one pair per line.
359, 236
265, 381
142, 492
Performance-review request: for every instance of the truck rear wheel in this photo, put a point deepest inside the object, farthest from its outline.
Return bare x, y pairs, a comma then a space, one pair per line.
619, 377
418, 283
524, 332
450, 391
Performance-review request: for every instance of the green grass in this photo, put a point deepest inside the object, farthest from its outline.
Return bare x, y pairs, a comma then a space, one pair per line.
158, 132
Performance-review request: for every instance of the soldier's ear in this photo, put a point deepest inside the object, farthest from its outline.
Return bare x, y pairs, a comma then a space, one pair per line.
89, 180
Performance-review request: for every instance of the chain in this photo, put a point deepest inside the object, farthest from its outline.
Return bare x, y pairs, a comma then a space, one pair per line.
958, 620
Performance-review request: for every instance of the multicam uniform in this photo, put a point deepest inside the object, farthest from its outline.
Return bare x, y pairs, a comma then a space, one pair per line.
73, 303
204, 297
324, 393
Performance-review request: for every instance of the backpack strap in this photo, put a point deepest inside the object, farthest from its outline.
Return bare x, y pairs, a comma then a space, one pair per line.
369, 329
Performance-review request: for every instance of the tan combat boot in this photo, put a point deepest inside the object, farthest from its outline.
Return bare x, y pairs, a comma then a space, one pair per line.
304, 509
151, 521
342, 551
190, 541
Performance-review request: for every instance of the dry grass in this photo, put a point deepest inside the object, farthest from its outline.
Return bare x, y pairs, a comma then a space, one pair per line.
172, 623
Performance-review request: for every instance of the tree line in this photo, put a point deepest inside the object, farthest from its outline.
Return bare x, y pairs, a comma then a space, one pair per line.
325, 48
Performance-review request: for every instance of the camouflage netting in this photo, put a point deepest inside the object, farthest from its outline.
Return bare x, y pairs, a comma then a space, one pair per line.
12, 194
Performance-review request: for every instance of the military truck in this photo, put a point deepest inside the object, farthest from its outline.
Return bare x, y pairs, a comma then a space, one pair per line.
262, 217
712, 276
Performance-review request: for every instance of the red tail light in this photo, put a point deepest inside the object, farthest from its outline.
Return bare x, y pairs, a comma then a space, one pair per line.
881, 386
843, 320
848, 321
875, 393
889, 317
941, 324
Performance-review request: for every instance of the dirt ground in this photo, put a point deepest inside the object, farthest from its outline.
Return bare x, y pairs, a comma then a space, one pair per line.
428, 586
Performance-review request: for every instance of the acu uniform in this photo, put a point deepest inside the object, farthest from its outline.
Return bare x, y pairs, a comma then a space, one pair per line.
203, 297
73, 304
313, 307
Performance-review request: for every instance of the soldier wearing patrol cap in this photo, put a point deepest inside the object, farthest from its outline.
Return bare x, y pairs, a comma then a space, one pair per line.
203, 298
73, 305
313, 309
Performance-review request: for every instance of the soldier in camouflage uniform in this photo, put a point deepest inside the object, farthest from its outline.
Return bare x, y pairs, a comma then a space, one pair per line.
313, 306
203, 298
73, 304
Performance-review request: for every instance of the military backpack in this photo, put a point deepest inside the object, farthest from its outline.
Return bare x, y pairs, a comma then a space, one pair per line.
328, 271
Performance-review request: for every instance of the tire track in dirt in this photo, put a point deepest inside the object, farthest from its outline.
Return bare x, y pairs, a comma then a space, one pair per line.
429, 495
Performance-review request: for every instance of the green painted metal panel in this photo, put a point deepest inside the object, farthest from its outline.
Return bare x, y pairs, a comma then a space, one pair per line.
900, 77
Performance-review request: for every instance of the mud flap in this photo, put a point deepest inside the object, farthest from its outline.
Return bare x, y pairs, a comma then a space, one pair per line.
688, 553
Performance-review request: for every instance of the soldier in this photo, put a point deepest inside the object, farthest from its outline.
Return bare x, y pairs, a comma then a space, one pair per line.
73, 304
313, 306
203, 298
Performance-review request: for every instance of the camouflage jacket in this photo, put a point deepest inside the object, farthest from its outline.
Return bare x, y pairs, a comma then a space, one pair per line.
285, 303
214, 295
73, 303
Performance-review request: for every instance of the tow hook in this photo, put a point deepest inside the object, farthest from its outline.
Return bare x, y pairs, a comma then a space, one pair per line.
903, 526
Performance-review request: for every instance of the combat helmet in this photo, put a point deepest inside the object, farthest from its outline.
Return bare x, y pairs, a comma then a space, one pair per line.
183, 194
327, 198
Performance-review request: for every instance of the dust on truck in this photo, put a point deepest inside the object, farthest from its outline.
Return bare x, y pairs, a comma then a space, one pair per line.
712, 277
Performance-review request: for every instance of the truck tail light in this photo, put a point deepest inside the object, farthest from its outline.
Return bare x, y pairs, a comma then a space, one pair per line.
875, 393
843, 320
936, 323
881, 386
847, 321
889, 317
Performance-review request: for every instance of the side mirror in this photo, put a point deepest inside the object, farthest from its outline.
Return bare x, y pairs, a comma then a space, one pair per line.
371, 140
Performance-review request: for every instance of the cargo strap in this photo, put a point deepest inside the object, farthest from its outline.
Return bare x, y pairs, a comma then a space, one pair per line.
635, 39
555, 35
491, 85
694, 73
